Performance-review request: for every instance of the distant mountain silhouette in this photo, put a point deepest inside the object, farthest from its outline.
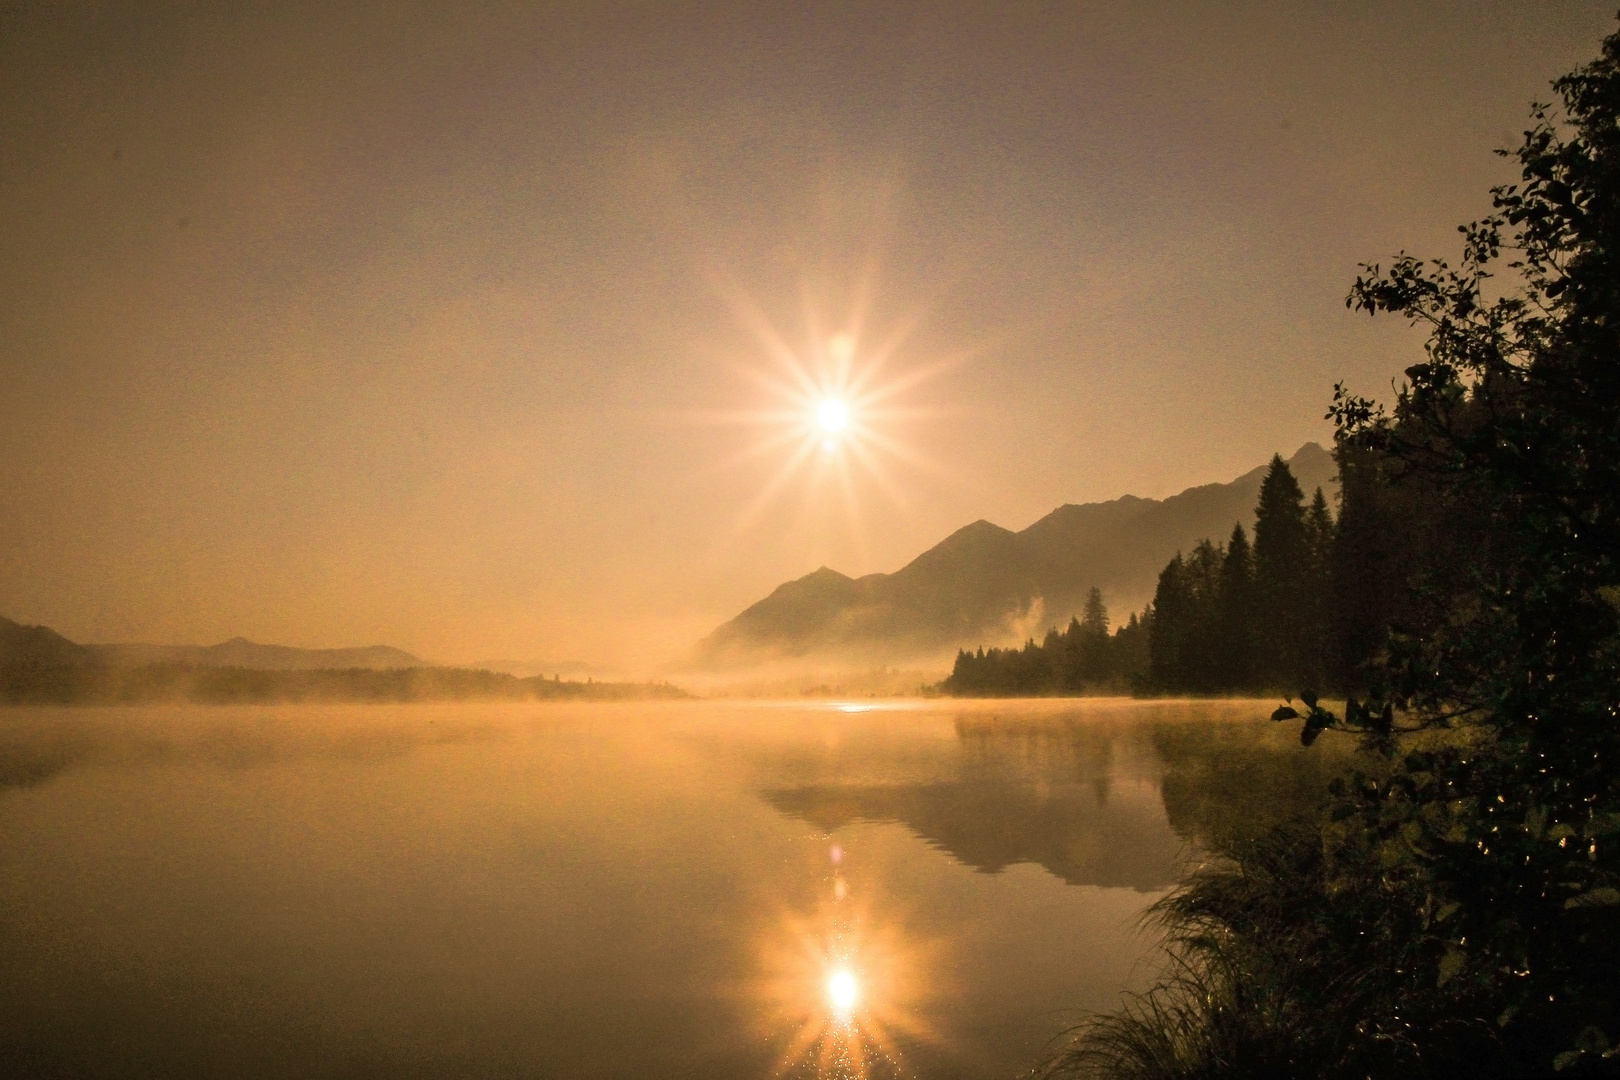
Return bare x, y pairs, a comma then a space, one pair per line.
982, 584
40, 646
39, 666
241, 653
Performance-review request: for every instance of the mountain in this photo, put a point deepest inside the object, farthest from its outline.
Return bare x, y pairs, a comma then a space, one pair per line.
241, 653
38, 666
986, 585
40, 646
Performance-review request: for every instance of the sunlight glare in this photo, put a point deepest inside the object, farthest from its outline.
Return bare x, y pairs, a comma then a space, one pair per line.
832, 416
837, 402
842, 991
841, 987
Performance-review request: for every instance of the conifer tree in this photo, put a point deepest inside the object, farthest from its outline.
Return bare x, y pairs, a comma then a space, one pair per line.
1237, 614
1093, 640
1318, 603
1170, 614
1281, 559
1201, 643
1070, 664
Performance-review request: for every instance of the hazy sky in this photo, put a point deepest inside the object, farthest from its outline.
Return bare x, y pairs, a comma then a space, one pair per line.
439, 325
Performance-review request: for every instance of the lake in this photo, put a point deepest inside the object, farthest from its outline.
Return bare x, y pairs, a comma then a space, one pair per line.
699, 889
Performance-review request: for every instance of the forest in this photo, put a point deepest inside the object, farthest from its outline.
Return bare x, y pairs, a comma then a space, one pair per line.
1225, 618
28, 683
1452, 904
1082, 659
1314, 603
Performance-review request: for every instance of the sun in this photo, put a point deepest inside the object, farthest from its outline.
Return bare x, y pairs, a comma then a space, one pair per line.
833, 418
842, 991
840, 407
838, 414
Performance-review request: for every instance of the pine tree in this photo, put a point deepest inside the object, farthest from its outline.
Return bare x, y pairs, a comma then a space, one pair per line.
1072, 677
1281, 560
1237, 613
1170, 614
1317, 612
1093, 641
1131, 660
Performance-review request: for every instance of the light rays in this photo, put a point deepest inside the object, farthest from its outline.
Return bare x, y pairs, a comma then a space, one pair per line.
832, 416
832, 412
842, 992
844, 986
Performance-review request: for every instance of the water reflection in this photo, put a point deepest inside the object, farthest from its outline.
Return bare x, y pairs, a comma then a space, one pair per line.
1095, 798
1227, 781
37, 744
991, 825
702, 890
847, 984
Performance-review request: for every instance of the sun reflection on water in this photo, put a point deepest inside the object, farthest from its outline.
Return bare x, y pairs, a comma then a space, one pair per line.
845, 985
842, 991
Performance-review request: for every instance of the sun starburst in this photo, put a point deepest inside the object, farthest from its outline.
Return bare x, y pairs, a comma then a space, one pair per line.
843, 986
834, 408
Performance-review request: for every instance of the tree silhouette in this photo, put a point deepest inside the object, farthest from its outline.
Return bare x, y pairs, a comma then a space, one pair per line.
1281, 562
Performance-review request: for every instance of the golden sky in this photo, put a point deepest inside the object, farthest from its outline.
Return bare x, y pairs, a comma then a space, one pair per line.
461, 327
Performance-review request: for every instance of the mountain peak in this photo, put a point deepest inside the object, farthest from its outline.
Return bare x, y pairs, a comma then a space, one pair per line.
982, 583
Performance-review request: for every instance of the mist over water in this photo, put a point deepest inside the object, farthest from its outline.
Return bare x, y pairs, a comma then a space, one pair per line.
598, 890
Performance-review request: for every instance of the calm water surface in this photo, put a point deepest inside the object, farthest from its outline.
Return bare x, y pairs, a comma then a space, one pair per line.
674, 890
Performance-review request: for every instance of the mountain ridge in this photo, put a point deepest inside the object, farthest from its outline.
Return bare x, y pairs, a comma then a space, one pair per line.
42, 646
985, 584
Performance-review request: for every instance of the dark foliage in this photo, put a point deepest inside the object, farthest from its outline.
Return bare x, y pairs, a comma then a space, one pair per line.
1457, 911
1235, 619
1082, 659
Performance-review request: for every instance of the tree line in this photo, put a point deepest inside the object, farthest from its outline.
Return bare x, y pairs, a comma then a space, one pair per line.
1084, 658
30, 683
1454, 905
1242, 618
1309, 604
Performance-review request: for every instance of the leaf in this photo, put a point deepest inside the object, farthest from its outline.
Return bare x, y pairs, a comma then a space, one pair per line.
1601, 897
1447, 910
1308, 734
1451, 966
1309, 698
1560, 831
1536, 820
1602, 823
1285, 713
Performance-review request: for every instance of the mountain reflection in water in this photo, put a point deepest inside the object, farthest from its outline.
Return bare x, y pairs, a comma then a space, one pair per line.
599, 891
1093, 800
